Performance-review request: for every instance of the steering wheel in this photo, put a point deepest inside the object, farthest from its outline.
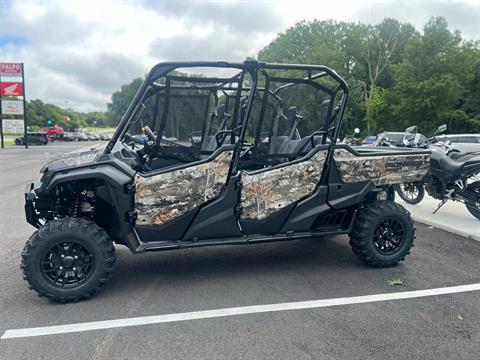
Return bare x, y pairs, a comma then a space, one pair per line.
149, 132
129, 141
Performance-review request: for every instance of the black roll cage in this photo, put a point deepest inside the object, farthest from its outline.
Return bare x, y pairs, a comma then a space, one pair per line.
253, 68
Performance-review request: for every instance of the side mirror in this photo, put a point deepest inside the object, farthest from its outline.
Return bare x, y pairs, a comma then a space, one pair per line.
220, 110
324, 111
406, 142
410, 133
441, 129
291, 114
411, 129
356, 131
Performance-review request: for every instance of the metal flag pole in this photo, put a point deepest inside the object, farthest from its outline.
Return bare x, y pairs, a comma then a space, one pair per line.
24, 109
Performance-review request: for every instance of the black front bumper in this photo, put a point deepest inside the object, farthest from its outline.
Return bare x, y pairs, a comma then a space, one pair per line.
30, 196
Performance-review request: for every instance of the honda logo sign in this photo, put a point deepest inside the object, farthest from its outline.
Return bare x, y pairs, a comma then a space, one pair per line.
12, 89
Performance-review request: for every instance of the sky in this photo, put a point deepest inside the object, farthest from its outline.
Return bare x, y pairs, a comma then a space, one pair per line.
77, 53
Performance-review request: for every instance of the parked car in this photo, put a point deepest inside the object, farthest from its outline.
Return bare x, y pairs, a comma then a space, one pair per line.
55, 137
38, 138
369, 140
79, 136
105, 136
464, 143
94, 137
68, 136
53, 131
396, 138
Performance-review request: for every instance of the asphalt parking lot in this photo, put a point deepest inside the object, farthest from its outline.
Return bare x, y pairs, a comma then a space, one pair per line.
428, 327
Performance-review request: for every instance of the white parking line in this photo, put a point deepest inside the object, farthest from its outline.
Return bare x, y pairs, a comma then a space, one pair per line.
243, 310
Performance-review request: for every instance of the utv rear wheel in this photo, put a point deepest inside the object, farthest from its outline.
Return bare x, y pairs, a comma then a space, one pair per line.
68, 260
383, 234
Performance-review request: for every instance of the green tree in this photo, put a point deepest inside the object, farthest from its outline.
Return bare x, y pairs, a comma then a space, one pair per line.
431, 81
120, 101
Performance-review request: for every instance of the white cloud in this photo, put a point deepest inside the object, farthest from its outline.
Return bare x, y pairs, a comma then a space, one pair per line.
85, 50
463, 16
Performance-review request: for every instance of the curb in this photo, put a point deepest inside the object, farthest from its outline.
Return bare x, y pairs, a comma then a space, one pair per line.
445, 227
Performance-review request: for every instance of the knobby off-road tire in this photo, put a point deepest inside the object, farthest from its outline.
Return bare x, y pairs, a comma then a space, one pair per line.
383, 234
68, 260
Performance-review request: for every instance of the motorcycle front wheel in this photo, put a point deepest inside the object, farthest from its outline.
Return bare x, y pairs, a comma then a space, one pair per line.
475, 188
412, 193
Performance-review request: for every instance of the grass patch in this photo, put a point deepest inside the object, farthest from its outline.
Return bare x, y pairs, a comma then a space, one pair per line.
393, 282
8, 142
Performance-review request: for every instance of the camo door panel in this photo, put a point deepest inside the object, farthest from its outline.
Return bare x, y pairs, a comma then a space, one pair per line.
269, 191
381, 169
164, 197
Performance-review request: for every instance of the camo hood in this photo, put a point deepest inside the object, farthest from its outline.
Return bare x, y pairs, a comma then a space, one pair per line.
74, 158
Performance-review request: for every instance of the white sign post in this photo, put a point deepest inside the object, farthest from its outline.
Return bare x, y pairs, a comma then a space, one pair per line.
11, 87
13, 126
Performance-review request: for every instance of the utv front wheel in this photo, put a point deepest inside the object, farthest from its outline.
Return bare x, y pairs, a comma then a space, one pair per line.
383, 234
68, 260
412, 193
474, 188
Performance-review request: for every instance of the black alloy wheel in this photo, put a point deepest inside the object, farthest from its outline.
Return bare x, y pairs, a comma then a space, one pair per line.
67, 264
389, 236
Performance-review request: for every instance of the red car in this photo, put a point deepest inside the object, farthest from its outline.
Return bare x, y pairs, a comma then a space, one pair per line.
53, 132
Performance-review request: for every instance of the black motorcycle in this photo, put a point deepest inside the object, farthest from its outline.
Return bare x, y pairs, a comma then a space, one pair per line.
452, 176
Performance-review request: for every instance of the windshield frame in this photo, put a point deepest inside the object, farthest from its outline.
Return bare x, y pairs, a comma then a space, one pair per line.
163, 69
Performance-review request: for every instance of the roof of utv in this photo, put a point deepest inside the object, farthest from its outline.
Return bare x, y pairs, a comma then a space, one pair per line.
253, 68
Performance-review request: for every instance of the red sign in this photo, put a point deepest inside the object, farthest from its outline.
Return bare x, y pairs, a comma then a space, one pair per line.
12, 89
11, 69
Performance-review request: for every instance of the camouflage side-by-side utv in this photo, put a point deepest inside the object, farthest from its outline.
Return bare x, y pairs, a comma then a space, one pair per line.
215, 153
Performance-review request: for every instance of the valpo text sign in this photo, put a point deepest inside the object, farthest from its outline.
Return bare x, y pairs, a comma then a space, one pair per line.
10, 69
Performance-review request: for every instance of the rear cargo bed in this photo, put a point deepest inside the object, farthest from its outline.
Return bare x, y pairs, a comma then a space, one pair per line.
381, 165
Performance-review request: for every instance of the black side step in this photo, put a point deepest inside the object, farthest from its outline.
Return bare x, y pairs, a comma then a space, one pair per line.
242, 240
